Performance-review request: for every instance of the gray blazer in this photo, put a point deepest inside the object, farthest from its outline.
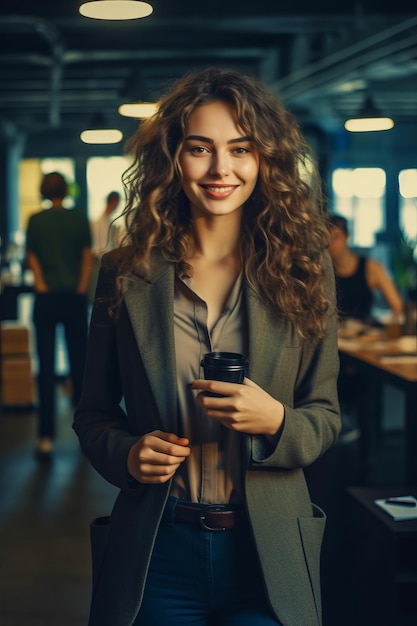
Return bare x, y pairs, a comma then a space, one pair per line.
133, 357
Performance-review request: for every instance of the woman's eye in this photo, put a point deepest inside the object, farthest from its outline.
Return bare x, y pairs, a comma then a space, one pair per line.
198, 150
241, 150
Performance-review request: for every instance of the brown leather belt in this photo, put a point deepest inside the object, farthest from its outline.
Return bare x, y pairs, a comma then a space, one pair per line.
209, 517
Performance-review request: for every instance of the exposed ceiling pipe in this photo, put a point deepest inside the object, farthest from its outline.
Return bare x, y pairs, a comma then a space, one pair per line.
319, 79
54, 39
360, 53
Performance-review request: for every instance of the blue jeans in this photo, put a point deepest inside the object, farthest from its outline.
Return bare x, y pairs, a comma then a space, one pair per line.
203, 578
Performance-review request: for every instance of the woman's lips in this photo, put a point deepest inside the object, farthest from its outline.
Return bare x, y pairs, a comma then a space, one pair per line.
219, 191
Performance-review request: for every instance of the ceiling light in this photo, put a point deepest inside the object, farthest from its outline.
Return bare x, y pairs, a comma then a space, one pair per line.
369, 119
140, 110
348, 86
100, 132
102, 135
115, 9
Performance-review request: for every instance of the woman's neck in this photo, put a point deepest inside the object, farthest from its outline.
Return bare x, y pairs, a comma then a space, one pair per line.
346, 263
215, 240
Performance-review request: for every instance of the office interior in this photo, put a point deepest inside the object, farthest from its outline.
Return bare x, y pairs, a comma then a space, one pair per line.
62, 73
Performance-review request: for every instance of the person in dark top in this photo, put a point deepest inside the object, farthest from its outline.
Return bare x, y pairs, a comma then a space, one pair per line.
358, 277
355, 297
58, 250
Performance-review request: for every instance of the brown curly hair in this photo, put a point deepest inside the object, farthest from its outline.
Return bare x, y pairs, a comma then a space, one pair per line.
283, 228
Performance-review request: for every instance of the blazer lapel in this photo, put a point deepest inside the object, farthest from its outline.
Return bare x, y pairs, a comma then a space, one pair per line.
150, 304
269, 339
267, 334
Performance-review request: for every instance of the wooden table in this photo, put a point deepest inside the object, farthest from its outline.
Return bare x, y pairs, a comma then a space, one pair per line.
391, 362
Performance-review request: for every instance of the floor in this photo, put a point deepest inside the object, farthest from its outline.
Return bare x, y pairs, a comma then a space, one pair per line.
45, 511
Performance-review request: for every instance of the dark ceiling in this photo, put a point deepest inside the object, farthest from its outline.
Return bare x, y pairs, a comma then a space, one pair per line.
58, 69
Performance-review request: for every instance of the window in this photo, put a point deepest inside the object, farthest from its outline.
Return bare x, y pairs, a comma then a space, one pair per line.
407, 183
359, 195
104, 174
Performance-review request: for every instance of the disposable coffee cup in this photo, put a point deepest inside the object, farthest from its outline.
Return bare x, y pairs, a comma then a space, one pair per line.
230, 367
393, 328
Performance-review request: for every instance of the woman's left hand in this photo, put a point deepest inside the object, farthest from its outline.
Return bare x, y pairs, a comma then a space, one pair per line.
246, 408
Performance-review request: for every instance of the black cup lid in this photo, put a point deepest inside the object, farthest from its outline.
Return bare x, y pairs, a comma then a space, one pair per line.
225, 359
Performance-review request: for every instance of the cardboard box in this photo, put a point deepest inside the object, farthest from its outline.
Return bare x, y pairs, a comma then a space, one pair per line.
14, 339
18, 394
17, 383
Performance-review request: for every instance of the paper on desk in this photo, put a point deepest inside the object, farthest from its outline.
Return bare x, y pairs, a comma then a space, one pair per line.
398, 358
355, 345
407, 343
374, 341
398, 512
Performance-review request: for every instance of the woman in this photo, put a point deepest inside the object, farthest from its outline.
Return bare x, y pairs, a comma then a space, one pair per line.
358, 277
214, 523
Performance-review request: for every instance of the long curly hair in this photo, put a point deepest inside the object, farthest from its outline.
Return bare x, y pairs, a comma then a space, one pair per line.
283, 227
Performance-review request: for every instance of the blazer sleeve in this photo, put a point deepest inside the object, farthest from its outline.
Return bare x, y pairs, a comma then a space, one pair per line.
100, 421
312, 418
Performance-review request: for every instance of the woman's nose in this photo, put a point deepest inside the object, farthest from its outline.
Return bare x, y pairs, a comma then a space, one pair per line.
220, 164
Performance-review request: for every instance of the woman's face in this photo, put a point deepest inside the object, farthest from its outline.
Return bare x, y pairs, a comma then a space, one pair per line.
338, 242
218, 162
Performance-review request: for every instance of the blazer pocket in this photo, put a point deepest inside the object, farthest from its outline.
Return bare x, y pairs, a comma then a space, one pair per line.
311, 532
99, 535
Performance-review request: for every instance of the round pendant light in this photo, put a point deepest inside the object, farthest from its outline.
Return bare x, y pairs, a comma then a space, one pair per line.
115, 9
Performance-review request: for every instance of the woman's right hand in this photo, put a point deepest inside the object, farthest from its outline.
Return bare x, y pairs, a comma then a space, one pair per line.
156, 457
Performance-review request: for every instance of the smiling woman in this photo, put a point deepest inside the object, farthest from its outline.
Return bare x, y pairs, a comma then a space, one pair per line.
224, 252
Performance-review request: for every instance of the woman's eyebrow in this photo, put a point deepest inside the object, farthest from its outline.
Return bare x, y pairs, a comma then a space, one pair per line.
208, 140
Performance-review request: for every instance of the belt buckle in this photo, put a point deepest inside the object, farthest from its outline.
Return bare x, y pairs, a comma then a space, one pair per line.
214, 508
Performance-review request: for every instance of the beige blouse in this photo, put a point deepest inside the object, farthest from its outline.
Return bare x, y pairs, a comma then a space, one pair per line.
212, 473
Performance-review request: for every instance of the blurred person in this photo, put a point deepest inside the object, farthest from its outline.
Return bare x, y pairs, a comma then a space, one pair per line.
357, 280
358, 277
102, 231
226, 251
104, 236
58, 251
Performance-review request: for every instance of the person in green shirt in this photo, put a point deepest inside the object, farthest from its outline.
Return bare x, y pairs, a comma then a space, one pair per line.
58, 251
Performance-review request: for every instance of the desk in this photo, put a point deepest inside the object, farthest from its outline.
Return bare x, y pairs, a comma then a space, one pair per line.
392, 362
383, 555
8, 299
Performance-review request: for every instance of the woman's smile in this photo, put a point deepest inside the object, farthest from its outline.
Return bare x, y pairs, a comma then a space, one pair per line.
219, 191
